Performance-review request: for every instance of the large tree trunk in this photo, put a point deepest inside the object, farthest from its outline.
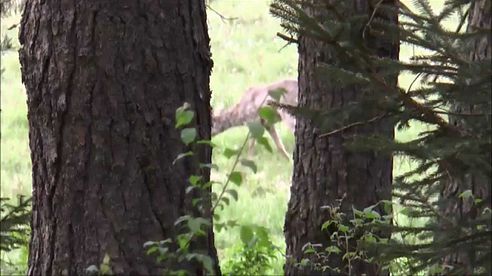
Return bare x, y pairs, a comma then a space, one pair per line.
104, 79
323, 169
462, 210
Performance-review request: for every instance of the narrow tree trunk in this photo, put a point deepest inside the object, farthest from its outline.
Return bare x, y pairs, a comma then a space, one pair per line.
324, 170
455, 208
103, 80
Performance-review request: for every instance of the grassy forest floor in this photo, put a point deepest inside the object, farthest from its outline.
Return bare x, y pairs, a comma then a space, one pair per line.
246, 52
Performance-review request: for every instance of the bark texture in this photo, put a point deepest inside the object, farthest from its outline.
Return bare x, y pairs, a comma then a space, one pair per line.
458, 209
324, 170
104, 79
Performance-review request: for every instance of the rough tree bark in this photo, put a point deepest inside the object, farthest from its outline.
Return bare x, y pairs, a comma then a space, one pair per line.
458, 209
103, 80
323, 169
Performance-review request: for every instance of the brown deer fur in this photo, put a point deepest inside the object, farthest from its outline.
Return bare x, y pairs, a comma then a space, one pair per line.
246, 110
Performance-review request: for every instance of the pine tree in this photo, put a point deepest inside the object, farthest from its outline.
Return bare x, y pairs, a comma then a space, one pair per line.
324, 170
452, 79
103, 82
474, 184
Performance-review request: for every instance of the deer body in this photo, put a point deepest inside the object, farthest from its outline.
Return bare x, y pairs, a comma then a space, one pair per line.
246, 110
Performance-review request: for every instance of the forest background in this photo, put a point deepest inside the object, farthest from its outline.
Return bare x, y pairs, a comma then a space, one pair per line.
246, 52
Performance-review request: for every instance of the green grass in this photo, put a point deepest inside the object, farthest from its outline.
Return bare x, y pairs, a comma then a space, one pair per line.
15, 159
246, 52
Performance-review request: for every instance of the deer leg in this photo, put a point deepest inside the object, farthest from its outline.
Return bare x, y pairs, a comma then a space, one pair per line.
251, 147
278, 142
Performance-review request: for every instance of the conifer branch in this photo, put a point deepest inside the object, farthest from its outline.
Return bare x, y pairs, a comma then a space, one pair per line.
353, 125
289, 39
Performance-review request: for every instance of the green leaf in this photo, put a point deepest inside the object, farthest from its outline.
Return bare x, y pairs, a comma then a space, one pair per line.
486, 211
233, 193
195, 225
228, 152
194, 179
236, 178
180, 272
232, 223
250, 164
246, 234
183, 117
149, 244
309, 250
372, 214
326, 224
182, 155
369, 209
256, 129
226, 200
92, 270
166, 241
304, 262
208, 184
195, 201
333, 249
276, 94
466, 194
219, 226
183, 241
105, 267
264, 142
189, 189
357, 213
188, 135
216, 217
269, 114
209, 165
369, 238
181, 219
343, 228
349, 256
206, 142
207, 263
357, 222
262, 233
163, 250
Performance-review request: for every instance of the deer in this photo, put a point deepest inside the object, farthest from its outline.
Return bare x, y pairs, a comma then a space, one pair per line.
246, 110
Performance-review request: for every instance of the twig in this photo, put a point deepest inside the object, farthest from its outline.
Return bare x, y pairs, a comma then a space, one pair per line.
224, 18
236, 161
414, 80
287, 38
371, 18
461, 114
353, 125
286, 44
